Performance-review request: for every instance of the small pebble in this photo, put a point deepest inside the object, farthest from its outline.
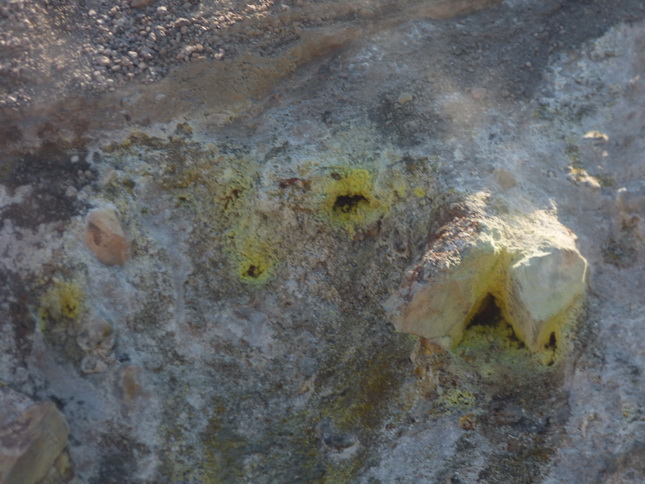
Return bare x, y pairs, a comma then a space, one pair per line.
478, 93
405, 97
105, 237
181, 22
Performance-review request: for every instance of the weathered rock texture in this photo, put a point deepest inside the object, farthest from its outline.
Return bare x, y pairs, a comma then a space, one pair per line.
274, 198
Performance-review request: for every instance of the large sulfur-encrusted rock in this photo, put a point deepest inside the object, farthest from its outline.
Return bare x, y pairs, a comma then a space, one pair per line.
32, 437
528, 264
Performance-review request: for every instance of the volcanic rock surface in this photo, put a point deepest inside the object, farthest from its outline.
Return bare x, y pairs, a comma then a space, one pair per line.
216, 215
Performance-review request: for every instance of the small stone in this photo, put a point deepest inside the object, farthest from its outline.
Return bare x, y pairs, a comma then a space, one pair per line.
97, 334
129, 386
478, 93
105, 238
93, 364
186, 52
405, 97
103, 60
32, 436
181, 22
631, 210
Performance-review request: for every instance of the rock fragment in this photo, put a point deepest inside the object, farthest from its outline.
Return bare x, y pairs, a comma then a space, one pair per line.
105, 237
631, 210
103, 60
404, 97
478, 93
129, 387
32, 437
529, 265
96, 339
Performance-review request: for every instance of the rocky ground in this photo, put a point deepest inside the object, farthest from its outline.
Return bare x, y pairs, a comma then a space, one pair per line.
51, 49
214, 215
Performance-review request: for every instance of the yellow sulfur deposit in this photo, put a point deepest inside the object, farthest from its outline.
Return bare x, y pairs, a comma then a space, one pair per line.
350, 200
63, 301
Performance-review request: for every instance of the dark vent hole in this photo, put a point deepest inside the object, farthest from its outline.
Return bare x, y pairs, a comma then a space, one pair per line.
348, 203
488, 313
552, 344
254, 271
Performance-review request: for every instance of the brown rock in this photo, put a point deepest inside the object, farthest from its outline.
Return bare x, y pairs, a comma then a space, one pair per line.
105, 238
130, 387
478, 93
404, 97
32, 437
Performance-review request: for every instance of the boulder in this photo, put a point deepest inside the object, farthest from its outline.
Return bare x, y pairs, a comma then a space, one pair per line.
529, 265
